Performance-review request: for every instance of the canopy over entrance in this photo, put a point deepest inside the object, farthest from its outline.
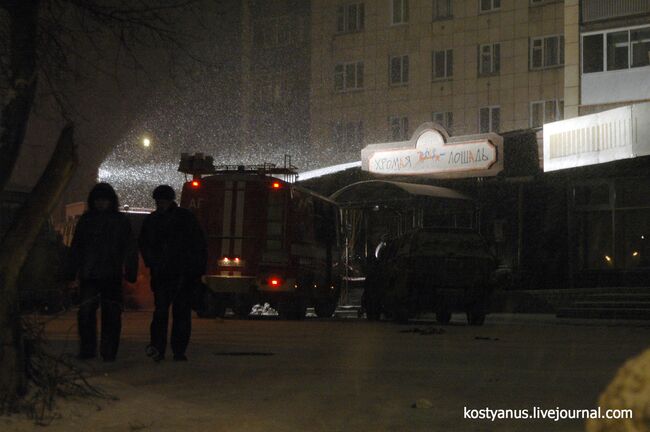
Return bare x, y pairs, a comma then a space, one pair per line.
373, 192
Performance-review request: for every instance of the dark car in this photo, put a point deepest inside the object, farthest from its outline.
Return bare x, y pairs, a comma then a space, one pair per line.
431, 270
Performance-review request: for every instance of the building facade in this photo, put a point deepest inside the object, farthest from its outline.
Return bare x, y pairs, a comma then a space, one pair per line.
380, 68
275, 76
608, 54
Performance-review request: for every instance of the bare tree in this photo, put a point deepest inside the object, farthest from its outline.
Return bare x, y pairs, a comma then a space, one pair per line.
43, 43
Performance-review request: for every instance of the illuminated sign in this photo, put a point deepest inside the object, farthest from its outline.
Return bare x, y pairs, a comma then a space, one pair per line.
620, 133
432, 153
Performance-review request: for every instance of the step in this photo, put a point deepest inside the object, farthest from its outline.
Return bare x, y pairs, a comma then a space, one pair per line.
624, 304
606, 296
605, 313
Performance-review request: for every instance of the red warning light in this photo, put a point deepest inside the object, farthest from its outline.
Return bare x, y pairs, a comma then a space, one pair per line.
276, 185
196, 183
274, 281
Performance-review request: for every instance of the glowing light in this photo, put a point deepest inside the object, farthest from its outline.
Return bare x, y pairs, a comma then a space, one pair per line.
276, 185
226, 259
236, 260
274, 281
608, 258
146, 142
635, 253
195, 184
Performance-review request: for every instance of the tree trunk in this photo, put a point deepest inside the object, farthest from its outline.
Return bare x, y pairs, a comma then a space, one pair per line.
23, 39
14, 248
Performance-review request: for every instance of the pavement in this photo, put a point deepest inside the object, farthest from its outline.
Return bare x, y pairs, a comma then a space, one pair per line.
347, 374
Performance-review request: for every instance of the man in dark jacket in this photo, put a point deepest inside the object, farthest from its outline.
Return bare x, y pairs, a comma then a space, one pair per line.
103, 251
173, 247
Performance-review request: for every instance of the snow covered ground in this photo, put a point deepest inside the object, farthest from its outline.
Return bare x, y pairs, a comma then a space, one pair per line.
264, 374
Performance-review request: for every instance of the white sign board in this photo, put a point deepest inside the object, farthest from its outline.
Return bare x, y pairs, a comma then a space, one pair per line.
430, 152
620, 133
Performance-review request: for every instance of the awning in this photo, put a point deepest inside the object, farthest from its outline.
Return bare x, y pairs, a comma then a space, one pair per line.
381, 191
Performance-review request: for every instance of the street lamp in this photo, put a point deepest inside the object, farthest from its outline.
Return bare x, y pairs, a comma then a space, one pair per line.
146, 142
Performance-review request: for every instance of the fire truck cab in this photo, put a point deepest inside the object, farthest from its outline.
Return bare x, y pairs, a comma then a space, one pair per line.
269, 240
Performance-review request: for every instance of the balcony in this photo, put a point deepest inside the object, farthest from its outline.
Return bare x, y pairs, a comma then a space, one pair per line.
600, 10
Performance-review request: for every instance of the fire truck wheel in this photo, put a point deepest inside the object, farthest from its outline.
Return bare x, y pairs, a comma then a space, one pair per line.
325, 308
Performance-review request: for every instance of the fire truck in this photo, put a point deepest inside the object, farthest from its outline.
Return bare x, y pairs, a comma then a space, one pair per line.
269, 240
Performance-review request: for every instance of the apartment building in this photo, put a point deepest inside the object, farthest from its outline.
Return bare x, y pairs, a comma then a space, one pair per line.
607, 54
380, 68
275, 75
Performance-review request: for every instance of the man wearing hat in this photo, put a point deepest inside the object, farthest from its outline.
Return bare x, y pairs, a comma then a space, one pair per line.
174, 249
103, 251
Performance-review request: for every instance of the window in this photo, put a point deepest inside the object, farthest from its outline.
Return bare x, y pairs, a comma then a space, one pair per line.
400, 11
489, 59
442, 64
640, 40
489, 5
275, 90
399, 70
348, 76
542, 112
348, 135
489, 119
350, 17
618, 47
399, 128
445, 119
616, 50
606, 242
593, 53
546, 52
442, 9
275, 32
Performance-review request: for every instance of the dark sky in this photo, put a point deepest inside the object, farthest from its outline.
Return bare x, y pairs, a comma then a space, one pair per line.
182, 104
